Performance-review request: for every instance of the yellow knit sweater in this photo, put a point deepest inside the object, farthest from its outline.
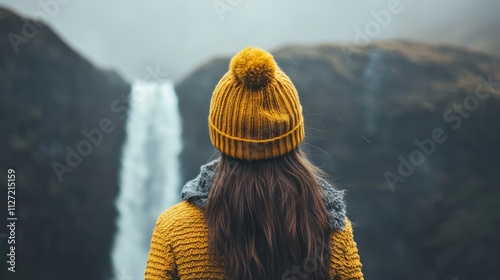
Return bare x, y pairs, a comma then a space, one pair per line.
179, 249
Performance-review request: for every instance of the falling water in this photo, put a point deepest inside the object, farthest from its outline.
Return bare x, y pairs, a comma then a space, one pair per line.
373, 78
149, 176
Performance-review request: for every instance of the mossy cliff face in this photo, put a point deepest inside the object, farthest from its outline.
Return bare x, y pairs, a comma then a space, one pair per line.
61, 121
410, 130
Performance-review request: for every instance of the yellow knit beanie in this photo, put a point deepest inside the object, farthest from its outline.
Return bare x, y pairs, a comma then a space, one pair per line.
255, 112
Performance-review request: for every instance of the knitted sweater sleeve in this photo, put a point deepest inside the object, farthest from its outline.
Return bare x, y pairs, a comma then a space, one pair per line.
346, 263
161, 261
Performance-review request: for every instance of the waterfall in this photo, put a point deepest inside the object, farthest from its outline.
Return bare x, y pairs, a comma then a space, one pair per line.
149, 176
373, 80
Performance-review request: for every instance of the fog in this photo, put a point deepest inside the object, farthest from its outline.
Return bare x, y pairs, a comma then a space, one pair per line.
177, 36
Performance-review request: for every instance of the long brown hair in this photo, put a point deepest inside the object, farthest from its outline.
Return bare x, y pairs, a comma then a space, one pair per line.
267, 220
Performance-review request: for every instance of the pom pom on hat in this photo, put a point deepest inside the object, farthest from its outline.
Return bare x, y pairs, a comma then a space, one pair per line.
253, 67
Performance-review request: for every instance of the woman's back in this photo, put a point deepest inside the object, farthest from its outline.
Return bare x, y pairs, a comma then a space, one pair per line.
261, 210
179, 250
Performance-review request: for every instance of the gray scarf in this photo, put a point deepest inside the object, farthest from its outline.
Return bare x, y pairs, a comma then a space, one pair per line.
196, 192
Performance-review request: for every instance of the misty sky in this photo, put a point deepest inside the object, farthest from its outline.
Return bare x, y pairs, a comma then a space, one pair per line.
131, 35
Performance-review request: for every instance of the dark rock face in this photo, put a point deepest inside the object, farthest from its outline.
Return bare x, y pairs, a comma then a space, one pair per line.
62, 127
411, 131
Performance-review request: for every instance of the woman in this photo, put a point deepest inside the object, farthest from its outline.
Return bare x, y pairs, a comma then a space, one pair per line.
261, 210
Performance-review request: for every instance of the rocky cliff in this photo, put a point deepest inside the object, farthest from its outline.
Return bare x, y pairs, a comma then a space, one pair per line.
61, 121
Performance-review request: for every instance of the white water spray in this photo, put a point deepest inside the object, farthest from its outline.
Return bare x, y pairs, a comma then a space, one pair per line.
149, 176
